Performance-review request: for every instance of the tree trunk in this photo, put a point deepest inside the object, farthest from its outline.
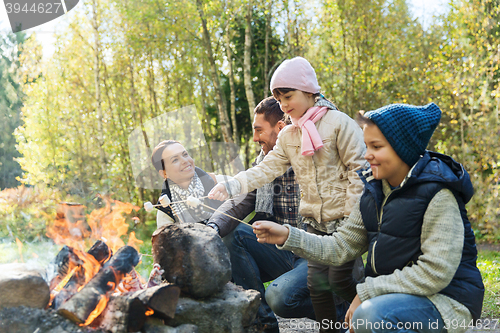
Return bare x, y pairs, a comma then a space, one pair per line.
231, 85
266, 52
141, 123
97, 76
223, 118
208, 126
247, 65
119, 127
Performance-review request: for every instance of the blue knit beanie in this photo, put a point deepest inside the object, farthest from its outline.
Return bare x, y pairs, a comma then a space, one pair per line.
408, 128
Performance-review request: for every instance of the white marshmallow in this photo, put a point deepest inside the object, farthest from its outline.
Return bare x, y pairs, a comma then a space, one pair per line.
193, 202
164, 200
148, 206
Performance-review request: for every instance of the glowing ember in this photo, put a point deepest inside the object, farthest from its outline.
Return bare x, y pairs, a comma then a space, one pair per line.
149, 312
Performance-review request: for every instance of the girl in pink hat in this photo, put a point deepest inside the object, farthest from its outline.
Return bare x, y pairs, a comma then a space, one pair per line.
325, 148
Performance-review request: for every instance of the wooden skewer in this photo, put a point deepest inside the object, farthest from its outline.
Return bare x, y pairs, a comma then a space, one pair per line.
215, 210
182, 201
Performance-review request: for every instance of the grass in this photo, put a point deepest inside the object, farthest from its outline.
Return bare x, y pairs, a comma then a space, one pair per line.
489, 264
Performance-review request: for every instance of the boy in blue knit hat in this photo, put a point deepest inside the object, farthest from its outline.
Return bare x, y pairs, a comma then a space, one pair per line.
421, 273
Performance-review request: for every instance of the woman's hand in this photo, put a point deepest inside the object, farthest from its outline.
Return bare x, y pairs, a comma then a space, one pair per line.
350, 312
270, 232
218, 192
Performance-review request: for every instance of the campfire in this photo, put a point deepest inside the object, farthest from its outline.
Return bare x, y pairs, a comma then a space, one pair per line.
100, 287
93, 281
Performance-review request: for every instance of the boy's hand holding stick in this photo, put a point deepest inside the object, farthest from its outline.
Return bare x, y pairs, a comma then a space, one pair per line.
270, 232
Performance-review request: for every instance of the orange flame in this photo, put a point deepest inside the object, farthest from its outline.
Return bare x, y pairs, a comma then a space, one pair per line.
133, 241
73, 228
65, 280
79, 231
90, 266
149, 312
103, 301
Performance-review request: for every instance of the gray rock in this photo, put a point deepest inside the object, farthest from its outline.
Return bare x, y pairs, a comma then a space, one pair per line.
193, 257
22, 285
231, 311
155, 325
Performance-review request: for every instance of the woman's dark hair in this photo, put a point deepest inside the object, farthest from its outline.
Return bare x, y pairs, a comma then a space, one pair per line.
363, 120
158, 151
271, 110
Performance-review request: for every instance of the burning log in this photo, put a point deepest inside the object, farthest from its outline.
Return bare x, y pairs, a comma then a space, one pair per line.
122, 314
128, 313
89, 302
62, 264
100, 252
162, 299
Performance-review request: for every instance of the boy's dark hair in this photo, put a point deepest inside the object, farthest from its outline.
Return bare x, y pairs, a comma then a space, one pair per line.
271, 110
362, 120
158, 151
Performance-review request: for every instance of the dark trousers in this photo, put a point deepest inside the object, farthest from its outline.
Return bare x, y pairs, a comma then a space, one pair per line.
326, 281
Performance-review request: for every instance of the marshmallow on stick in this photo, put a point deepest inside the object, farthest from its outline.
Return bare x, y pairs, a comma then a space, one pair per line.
193, 202
164, 201
148, 206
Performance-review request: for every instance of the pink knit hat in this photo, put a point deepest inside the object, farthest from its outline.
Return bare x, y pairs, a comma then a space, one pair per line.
296, 73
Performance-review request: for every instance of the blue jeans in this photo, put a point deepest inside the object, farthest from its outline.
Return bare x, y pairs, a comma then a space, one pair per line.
254, 263
397, 312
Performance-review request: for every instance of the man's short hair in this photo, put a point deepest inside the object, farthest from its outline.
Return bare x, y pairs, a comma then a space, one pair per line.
271, 110
156, 158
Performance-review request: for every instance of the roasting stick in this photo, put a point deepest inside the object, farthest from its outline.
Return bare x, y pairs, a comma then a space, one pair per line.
191, 201
148, 206
215, 210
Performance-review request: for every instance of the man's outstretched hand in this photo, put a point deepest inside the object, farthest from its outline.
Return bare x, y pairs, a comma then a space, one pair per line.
270, 232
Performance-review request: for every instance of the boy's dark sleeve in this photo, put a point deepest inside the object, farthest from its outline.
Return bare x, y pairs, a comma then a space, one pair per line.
234, 207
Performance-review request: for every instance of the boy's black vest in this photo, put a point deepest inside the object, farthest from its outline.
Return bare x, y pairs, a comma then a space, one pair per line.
208, 184
395, 242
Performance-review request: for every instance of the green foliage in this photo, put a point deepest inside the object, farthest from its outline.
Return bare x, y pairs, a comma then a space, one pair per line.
119, 64
25, 212
11, 98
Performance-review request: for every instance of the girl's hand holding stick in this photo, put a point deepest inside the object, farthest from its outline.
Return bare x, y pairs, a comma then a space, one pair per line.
219, 192
270, 232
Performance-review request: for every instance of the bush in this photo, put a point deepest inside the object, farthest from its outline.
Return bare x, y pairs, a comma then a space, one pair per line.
484, 207
25, 211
